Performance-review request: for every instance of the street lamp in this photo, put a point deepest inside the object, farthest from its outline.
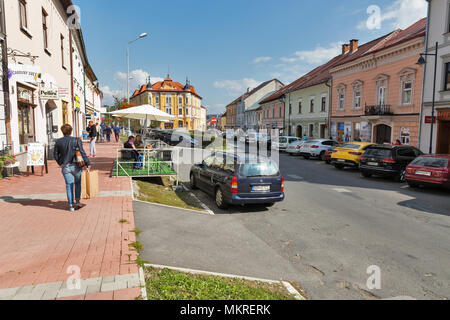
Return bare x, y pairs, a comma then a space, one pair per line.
422, 62
143, 35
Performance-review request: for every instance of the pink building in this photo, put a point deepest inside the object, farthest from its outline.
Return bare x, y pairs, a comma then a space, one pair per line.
271, 115
377, 89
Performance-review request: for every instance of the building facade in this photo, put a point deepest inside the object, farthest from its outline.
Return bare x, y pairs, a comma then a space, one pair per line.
271, 114
5, 134
377, 90
231, 115
176, 99
438, 32
44, 76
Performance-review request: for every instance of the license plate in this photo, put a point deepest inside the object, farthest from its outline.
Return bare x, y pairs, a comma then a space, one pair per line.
375, 164
341, 160
261, 188
423, 173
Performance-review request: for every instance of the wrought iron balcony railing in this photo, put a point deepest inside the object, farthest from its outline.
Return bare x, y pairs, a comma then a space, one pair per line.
379, 110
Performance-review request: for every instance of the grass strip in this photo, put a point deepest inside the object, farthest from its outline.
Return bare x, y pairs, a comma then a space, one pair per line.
164, 284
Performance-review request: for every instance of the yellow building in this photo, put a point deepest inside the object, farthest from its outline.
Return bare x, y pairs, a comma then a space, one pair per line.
176, 99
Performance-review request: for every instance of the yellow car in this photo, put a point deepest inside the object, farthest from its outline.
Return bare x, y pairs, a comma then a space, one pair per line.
349, 154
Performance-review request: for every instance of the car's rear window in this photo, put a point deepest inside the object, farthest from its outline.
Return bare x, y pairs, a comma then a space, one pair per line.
378, 153
283, 140
259, 169
351, 146
431, 162
312, 142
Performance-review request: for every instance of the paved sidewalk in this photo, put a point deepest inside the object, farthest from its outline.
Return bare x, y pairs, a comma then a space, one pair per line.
40, 239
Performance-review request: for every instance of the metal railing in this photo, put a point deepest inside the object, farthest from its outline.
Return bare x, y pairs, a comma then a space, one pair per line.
379, 110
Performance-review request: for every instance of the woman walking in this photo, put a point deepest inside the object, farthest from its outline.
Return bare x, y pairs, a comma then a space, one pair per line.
65, 154
92, 129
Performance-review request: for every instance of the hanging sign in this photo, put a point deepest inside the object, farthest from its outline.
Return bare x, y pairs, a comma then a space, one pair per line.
77, 103
49, 94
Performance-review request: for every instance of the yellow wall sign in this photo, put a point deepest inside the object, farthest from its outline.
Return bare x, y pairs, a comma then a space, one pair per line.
77, 103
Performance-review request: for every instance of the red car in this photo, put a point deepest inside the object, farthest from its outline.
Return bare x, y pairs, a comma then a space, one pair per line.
429, 171
328, 153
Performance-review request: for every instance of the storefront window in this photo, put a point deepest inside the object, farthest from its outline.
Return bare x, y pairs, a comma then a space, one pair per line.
25, 104
357, 131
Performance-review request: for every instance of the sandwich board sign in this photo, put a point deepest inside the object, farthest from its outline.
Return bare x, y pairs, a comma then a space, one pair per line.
35, 155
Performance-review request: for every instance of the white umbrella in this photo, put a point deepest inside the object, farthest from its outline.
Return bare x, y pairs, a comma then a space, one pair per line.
143, 112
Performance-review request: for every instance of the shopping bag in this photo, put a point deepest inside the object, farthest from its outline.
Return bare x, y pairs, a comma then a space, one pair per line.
84, 194
91, 188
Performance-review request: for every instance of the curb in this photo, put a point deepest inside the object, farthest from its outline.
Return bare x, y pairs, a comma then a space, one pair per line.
287, 285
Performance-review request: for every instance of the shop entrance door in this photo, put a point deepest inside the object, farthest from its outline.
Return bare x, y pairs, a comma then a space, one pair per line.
443, 141
383, 134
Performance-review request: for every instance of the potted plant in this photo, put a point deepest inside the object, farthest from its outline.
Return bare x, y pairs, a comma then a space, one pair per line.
6, 161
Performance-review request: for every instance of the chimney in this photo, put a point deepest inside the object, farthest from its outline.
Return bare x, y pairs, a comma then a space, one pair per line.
345, 48
353, 45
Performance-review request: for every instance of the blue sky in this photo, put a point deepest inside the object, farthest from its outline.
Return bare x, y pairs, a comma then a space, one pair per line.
225, 47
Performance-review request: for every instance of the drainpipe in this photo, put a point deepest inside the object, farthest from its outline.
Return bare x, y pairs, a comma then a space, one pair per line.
71, 82
330, 104
84, 89
424, 76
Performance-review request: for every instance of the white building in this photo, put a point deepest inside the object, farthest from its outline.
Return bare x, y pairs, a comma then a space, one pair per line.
438, 31
45, 62
5, 138
252, 99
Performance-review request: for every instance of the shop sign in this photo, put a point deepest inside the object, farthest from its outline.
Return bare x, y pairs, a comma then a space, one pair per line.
24, 72
77, 103
428, 119
48, 94
348, 132
366, 132
35, 154
63, 93
24, 94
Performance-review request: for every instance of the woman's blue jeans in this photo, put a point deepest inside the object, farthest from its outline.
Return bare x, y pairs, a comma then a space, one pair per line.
72, 175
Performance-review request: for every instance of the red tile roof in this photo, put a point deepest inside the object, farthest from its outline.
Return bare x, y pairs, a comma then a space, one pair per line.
322, 74
159, 87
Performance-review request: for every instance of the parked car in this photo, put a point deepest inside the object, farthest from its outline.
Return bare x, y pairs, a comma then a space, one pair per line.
317, 148
238, 179
387, 160
182, 140
349, 154
283, 142
328, 153
429, 171
294, 147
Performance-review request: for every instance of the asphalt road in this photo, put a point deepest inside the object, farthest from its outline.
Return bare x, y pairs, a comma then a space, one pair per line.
332, 226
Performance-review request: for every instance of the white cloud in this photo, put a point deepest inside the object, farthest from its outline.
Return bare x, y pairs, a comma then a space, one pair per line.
288, 60
261, 59
399, 15
109, 94
319, 54
236, 87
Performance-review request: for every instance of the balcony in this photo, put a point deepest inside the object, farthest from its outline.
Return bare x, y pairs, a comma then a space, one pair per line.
379, 110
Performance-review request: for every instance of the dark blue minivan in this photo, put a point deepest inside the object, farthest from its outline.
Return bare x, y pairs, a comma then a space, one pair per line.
238, 179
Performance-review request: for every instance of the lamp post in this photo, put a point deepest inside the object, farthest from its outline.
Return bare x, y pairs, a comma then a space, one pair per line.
143, 35
421, 62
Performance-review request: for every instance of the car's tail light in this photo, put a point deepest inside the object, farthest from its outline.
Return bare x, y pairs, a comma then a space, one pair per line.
410, 170
333, 151
282, 184
363, 158
440, 174
234, 185
389, 160
298, 147
314, 147
355, 153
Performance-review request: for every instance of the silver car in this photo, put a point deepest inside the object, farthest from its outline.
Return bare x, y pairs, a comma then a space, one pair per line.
317, 148
283, 143
294, 147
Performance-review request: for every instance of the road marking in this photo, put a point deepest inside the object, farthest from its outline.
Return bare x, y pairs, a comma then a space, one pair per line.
295, 177
341, 190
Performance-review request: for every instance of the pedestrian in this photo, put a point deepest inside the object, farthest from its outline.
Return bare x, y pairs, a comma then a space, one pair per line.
92, 129
398, 143
117, 133
305, 137
103, 133
98, 132
65, 154
108, 132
